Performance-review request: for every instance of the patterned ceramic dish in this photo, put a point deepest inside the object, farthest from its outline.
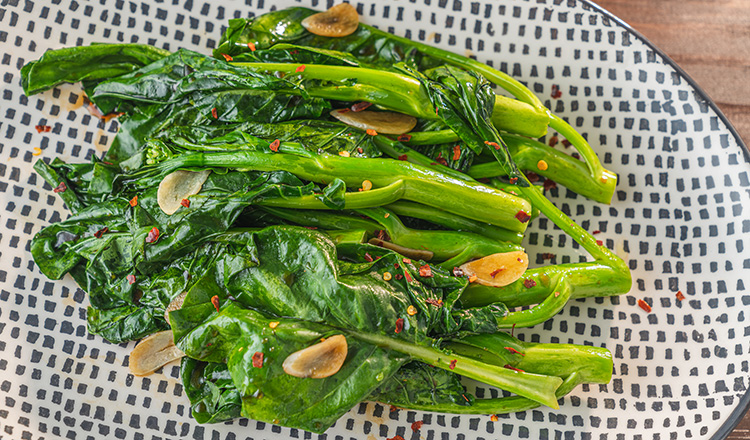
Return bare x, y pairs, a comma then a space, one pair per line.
679, 218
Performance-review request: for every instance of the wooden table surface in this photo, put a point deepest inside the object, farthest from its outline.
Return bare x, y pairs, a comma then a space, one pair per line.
710, 40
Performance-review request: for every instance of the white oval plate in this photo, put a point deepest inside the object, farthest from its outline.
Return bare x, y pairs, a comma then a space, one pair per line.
679, 218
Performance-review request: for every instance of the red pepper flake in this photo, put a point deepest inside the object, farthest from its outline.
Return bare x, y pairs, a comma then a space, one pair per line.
599, 242
382, 234
496, 271
251, 45
679, 296
597, 232
312, 228
130, 278
566, 143
227, 57
512, 329
408, 277
360, 150
434, 302
258, 359
514, 351
214, 113
458, 272
492, 144
452, 365
523, 216
394, 408
358, 107
406, 260
513, 180
62, 187
404, 138
396, 266
185, 203
556, 92
399, 325
300, 69
368, 258
153, 235
403, 157
344, 110
425, 271
134, 201
274, 146
416, 426
456, 152
100, 232
493, 418
513, 368
644, 305
552, 141
215, 302
371, 132
397, 437
43, 128
442, 161
398, 276
294, 52
529, 283
549, 184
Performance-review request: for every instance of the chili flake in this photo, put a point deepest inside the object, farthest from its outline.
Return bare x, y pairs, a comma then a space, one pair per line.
644, 305
371, 132
273, 324
300, 69
344, 153
416, 426
43, 128
407, 276
387, 276
403, 157
529, 283
366, 185
100, 232
399, 325
274, 146
258, 359
214, 113
566, 143
552, 141
404, 138
397, 437
60, 188
679, 296
599, 242
227, 57
360, 150
510, 367
472, 278
596, 232
215, 302
153, 235
556, 92
496, 271
130, 278
398, 276
406, 260
542, 165
434, 302
344, 110
513, 181
368, 257
452, 365
456, 152
185, 203
411, 310
492, 144
442, 161
514, 351
251, 45
358, 107
37, 151
493, 418
134, 201
425, 271
523, 216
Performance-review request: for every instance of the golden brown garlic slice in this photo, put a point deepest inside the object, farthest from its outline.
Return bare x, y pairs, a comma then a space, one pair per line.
318, 361
381, 122
339, 21
175, 304
153, 352
178, 186
497, 270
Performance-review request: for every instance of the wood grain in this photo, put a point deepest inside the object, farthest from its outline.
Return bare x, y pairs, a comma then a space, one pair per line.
710, 40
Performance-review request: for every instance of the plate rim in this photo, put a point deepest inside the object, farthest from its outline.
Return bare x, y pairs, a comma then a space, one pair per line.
743, 407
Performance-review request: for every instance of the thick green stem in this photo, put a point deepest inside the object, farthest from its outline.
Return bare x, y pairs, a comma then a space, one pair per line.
536, 387
417, 183
399, 151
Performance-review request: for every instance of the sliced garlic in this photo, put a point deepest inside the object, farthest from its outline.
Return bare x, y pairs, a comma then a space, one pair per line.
381, 122
317, 361
175, 304
497, 270
178, 186
153, 352
339, 21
